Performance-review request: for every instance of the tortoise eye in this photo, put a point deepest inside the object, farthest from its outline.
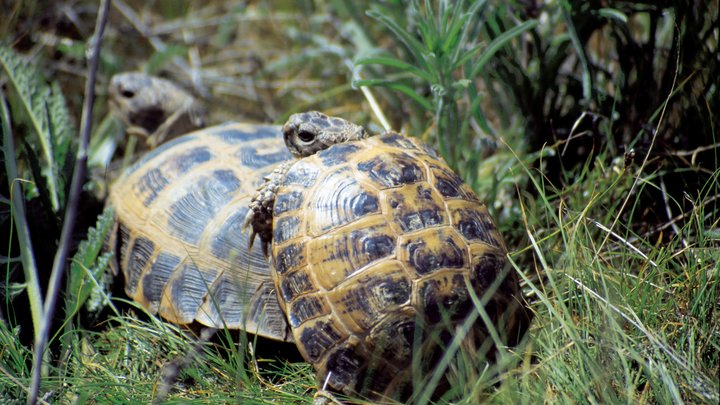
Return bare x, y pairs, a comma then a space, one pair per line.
306, 136
127, 93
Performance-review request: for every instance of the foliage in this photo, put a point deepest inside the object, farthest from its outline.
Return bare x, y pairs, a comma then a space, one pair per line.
447, 57
48, 120
86, 276
590, 128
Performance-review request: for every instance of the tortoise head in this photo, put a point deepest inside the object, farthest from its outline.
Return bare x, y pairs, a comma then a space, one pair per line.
145, 102
309, 132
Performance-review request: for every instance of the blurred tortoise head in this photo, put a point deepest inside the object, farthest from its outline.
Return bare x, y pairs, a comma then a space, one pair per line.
153, 108
381, 255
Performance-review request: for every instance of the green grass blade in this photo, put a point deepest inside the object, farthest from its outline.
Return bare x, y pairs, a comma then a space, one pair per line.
18, 215
580, 49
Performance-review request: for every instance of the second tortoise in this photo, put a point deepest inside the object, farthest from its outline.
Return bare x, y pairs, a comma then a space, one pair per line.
179, 212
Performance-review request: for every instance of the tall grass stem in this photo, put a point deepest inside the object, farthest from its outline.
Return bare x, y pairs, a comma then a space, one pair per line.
71, 209
18, 216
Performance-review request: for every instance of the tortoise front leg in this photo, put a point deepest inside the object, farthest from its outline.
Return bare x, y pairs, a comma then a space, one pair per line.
260, 213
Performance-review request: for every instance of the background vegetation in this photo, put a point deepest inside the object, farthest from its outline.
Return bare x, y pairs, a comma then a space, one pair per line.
590, 127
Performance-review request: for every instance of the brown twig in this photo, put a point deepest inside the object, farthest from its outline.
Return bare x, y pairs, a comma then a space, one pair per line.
71, 209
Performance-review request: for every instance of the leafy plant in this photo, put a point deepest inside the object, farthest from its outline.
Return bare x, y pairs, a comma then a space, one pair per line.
43, 107
444, 54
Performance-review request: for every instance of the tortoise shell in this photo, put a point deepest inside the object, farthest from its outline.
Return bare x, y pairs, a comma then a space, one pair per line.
178, 237
375, 243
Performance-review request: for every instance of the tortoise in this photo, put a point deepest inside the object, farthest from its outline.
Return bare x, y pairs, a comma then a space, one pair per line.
179, 212
378, 249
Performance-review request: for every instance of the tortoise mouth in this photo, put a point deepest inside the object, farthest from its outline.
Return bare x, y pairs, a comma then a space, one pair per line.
116, 108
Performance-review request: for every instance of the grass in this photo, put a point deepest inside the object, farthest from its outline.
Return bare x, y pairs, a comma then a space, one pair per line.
571, 119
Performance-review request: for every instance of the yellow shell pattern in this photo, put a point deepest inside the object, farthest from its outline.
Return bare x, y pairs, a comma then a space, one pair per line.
371, 239
178, 237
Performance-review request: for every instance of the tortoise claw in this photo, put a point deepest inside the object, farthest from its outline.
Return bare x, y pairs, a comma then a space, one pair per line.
253, 222
266, 249
249, 218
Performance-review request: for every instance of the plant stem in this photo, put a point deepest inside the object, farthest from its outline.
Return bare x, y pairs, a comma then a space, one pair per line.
71, 209
18, 214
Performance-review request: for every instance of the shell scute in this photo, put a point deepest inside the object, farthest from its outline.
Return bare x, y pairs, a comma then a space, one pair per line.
186, 291
229, 241
189, 159
413, 207
159, 151
287, 202
290, 258
139, 254
485, 270
444, 296
390, 168
433, 249
234, 133
338, 255
294, 284
447, 183
338, 154
149, 185
361, 301
307, 307
155, 279
254, 157
303, 174
192, 212
398, 141
340, 200
317, 337
474, 223
347, 364
286, 228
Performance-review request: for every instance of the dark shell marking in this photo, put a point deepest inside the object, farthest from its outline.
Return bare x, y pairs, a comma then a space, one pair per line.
370, 238
180, 244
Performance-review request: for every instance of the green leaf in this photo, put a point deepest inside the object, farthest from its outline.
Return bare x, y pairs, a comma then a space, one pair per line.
499, 42
412, 44
87, 269
466, 55
397, 64
45, 109
401, 87
613, 14
452, 37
